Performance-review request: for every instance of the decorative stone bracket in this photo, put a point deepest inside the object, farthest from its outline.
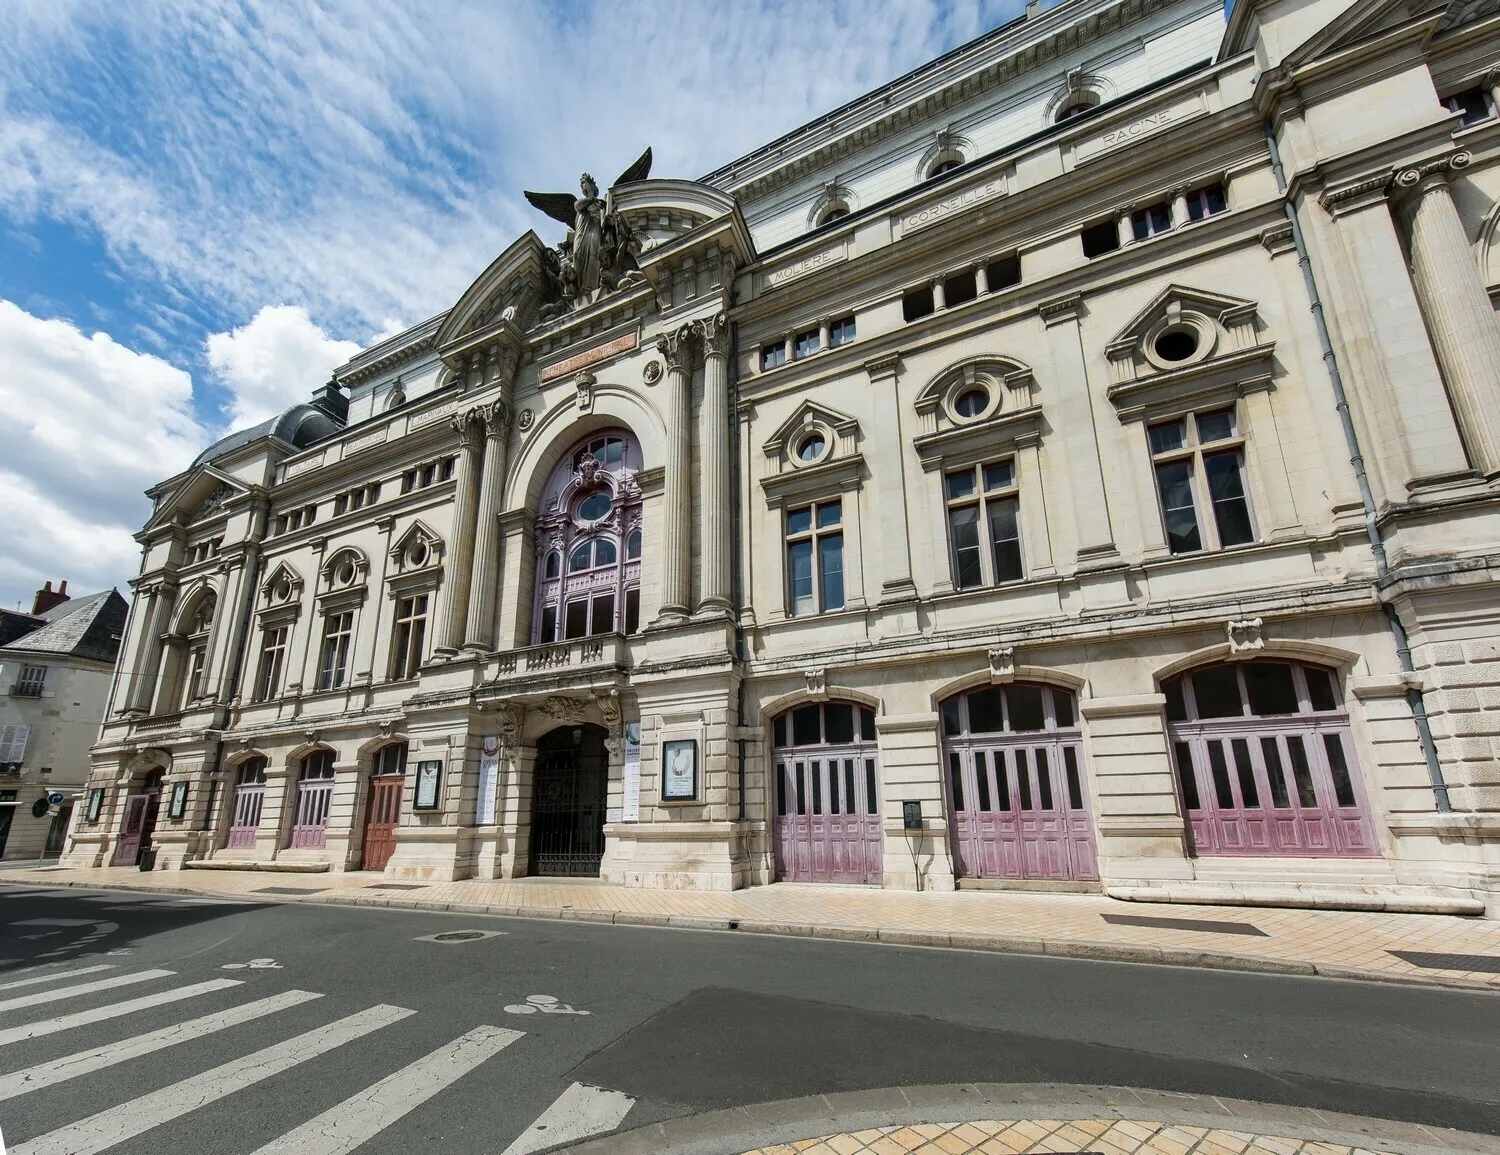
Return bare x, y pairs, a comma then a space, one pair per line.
1245, 636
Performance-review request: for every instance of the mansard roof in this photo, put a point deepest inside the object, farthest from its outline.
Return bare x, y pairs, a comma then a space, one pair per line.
87, 627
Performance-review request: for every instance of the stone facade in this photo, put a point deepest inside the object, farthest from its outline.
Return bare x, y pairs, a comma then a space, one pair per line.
1120, 361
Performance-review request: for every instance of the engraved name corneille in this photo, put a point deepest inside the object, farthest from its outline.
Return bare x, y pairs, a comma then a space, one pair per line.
598, 254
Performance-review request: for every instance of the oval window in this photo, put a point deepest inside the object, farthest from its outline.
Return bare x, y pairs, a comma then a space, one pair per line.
284, 592
346, 574
594, 507
417, 555
580, 558
633, 545
810, 448
971, 403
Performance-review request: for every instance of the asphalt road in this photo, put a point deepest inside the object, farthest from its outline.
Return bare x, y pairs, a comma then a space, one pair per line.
679, 1021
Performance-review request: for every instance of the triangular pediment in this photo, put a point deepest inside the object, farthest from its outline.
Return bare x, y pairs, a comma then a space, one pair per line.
806, 415
202, 495
1362, 22
1182, 298
282, 586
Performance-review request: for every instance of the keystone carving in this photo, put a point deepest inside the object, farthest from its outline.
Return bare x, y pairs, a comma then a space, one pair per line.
1245, 636
584, 383
510, 716
817, 682
1002, 664
561, 709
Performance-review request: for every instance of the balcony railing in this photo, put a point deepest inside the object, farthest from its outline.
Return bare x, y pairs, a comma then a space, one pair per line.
26, 689
579, 653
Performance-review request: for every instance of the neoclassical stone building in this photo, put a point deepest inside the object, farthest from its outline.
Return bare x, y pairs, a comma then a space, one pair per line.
1075, 464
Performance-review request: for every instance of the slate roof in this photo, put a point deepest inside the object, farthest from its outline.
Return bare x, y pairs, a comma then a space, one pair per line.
87, 627
302, 425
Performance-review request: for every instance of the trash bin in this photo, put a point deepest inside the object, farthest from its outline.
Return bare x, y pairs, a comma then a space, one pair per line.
147, 860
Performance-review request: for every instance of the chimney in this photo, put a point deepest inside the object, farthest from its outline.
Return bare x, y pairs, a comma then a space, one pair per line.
331, 400
47, 597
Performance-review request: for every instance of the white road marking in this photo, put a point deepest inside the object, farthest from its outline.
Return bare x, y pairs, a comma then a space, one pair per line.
71, 1066
32, 1000
55, 976
117, 1124
363, 1116
112, 1011
546, 1004
55, 922
579, 1112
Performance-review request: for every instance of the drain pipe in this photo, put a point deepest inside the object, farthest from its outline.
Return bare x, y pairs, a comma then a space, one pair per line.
736, 530
1357, 460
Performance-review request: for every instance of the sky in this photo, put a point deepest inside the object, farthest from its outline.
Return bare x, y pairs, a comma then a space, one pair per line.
205, 207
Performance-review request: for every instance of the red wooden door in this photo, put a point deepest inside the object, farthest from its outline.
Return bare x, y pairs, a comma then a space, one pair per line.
381, 819
132, 830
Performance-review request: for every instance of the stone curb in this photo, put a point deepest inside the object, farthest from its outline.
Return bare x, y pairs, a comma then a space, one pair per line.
999, 944
763, 1124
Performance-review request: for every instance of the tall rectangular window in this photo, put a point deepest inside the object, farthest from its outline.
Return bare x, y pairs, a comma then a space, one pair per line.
984, 524
272, 662
1200, 479
411, 633
29, 682
338, 631
197, 656
815, 558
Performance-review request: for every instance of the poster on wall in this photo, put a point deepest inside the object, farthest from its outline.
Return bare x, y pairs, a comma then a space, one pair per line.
429, 776
489, 777
96, 804
631, 807
177, 808
679, 773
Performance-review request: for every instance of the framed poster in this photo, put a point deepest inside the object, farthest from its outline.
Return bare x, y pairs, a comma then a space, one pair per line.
679, 769
429, 779
96, 804
177, 807
630, 810
489, 776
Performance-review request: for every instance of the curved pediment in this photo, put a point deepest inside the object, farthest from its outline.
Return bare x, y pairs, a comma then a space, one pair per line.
514, 278
667, 209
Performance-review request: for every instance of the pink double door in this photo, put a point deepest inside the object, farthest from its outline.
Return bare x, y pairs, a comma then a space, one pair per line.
827, 824
1019, 810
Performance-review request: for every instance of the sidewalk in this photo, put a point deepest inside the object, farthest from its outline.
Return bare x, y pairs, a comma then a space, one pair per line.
1439, 949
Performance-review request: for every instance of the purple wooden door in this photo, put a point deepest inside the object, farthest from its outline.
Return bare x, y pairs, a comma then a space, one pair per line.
824, 795
1265, 762
245, 823
310, 825
132, 830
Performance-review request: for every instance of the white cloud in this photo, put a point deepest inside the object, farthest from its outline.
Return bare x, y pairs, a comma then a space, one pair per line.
89, 426
276, 360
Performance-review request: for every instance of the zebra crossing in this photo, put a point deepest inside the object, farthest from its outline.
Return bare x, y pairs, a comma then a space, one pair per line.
579, 1112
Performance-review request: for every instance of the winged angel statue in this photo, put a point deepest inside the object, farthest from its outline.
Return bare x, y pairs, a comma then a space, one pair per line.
598, 254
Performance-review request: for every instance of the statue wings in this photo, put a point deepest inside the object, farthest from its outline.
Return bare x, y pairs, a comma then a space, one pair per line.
640, 170
558, 206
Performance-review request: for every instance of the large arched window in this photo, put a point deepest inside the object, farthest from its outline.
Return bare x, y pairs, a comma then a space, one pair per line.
588, 542
1265, 761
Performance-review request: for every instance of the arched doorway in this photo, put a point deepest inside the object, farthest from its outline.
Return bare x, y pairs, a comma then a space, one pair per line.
249, 798
314, 799
1265, 761
383, 809
569, 782
827, 804
140, 820
1014, 759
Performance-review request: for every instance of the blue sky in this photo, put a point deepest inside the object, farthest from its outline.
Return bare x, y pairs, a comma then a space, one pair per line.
206, 206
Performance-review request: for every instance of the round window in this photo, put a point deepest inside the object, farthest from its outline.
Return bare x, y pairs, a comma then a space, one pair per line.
594, 507
284, 592
971, 403
811, 447
345, 575
417, 555
1177, 344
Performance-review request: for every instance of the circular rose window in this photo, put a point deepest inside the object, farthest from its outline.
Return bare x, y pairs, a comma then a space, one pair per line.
594, 507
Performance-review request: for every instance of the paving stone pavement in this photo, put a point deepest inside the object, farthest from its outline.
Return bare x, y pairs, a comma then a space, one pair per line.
1014, 1136
1434, 948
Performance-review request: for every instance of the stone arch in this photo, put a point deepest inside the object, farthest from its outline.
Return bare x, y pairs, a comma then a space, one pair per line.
834, 693
1043, 675
351, 554
947, 147
1079, 88
233, 761
190, 603
1318, 653
834, 199
1489, 246
143, 763
556, 431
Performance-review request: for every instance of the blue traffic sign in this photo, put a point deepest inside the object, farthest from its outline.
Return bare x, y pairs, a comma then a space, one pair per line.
55, 798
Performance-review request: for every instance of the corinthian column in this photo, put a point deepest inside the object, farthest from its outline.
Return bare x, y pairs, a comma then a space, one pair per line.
677, 513
480, 635
461, 553
713, 442
1460, 319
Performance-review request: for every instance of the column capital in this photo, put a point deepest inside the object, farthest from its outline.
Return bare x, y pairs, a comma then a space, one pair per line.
713, 334
469, 425
676, 347
1420, 179
496, 418
1061, 309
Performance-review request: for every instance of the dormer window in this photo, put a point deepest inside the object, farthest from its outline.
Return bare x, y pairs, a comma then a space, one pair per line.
833, 212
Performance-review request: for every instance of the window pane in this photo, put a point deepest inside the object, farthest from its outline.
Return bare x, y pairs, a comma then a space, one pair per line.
1270, 752
1025, 703
982, 779
1301, 774
780, 791
549, 624
1222, 790
1023, 779
632, 610
1168, 436
833, 786
602, 620
604, 552
633, 545
1043, 780
956, 779
831, 570
1216, 689
1002, 783
778, 731
1319, 689
805, 731
580, 558
577, 622
1005, 538
830, 513
960, 484
1226, 488
984, 711
951, 724
1269, 686
815, 771
801, 789
799, 520
872, 804
1215, 426
1176, 706
850, 805
966, 567
593, 507
1343, 786
999, 476
1246, 771
838, 723
1062, 708
866, 725
1174, 481
554, 565
1075, 787
1186, 779
799, 576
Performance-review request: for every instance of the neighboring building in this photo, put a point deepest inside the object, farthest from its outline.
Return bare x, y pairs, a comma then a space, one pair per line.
55, 671
970, 455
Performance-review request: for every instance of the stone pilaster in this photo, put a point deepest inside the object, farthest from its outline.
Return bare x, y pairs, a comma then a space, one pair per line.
896, 583
713, 439
148, 665
677, 512
461, 556
1460, 319
480, 635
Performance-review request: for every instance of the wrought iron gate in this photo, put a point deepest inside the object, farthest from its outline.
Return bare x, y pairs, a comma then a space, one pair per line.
568, 788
